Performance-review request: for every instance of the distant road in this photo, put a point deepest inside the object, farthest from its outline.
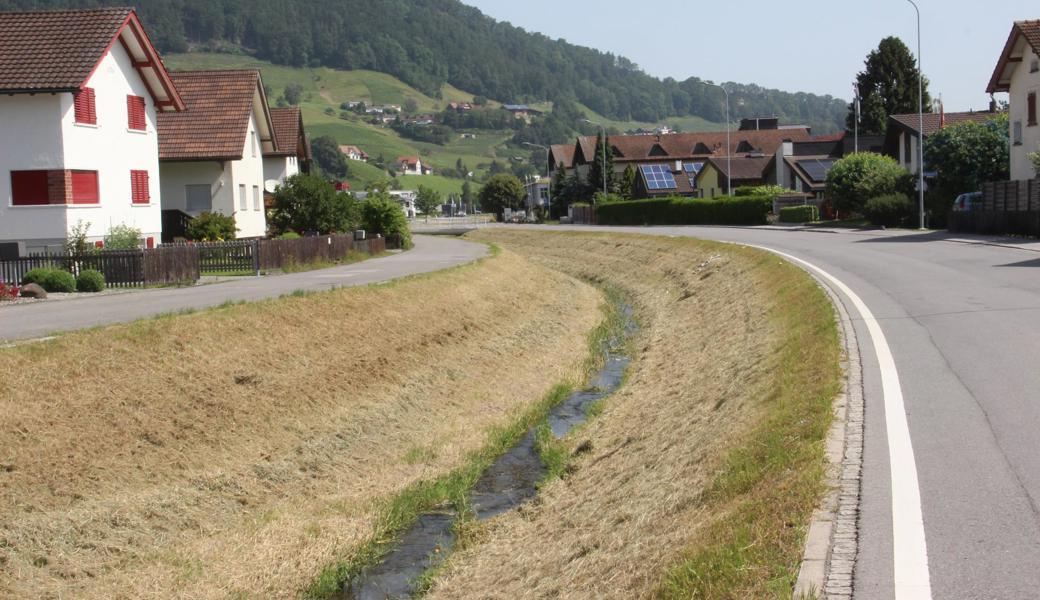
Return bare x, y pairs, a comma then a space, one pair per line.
40, 319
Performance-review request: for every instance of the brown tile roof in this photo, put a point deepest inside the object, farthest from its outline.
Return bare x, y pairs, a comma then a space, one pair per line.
58, 50
411, 160
745, 168
1028, 30
562, 153
682, 146
288, 127
932, 120
215, 123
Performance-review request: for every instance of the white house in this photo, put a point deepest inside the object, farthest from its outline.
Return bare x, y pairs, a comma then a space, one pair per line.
1018, 74
79, 95
292, 152
353, 153
411, 165
212, 154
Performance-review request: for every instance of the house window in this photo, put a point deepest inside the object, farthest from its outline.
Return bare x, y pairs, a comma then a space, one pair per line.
1031, 109
1034, 65
252, 142
85, 187
197, 198
29, 188
139, 187
135, 113
1016, 133
86, 111
242, 205
256, 197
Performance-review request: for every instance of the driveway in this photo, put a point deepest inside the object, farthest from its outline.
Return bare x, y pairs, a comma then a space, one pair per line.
39, 319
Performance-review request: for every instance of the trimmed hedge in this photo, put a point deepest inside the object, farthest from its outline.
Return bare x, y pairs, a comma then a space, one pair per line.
90, 280
748, 210
51, 280
799, 214
890, 210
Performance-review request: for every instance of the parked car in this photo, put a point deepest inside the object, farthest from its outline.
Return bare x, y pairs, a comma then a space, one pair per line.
967, 202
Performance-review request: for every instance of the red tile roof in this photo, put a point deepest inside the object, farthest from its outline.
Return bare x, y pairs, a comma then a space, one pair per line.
216, 121
288, 129
931, 120
58, 51
410, 160
682, 146
1030, 32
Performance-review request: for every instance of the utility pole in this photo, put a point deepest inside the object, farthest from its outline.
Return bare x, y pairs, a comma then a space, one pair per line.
920, 120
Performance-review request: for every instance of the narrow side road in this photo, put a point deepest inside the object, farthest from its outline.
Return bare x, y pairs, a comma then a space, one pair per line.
40, 319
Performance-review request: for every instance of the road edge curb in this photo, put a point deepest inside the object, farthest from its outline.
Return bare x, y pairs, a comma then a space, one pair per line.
832, 541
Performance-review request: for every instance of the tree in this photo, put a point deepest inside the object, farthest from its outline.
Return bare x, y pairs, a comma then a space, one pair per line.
307, 202
501, 192
427, 201
410, 106
627, 186
381, 213
211, 227
293, 93
966, 155
859, 177
597, 169
887, 86
329, 159
467, 195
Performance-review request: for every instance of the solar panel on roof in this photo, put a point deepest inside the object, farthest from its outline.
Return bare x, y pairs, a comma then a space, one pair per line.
693, 168
658, 177
817, 169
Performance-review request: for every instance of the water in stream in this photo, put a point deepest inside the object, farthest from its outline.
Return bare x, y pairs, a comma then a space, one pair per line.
507, 483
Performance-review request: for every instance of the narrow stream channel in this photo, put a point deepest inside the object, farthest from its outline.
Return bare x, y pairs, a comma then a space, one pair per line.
507, 483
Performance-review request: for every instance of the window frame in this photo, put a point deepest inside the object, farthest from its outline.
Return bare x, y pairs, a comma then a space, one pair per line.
1031, 109
257, 204
85, 110
140, 193
243, 201
19, 182
136, 107
84, 196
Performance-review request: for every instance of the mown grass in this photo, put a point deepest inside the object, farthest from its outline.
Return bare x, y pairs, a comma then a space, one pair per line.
773, 479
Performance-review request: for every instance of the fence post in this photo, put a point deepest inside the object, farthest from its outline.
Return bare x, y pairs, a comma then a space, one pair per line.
256, 256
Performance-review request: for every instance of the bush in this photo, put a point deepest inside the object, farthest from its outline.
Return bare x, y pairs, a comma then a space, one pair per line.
308, 202
799, 214
289, 235
123, 237
859, 177
211, 227
890, 210
51, 279
748, 210
770, 191
90, 280
382, 214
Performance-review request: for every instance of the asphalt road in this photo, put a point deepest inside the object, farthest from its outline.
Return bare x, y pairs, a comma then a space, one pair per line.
40, 319
962, 320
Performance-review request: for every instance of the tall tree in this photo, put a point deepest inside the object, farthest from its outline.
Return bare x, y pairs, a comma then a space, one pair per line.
427, 201
328, 157
887, 86
599, 167
501, 192
966, 155
467, 195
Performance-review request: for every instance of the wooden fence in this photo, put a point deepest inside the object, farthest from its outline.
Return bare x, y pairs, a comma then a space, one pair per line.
121, 268
1007, 208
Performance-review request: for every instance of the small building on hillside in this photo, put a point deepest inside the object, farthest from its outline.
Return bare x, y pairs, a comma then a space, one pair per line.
521, 111
353, 153
211, 155
1018, 73
80, 91
292, 152
411, 165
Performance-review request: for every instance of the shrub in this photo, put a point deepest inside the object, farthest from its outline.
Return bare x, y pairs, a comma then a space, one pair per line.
211, 227
770, 191
748, 210
51, 279
799, 214
382, 214
90, 280
308, 202
289, 235
859, 177
890, 210
123, 237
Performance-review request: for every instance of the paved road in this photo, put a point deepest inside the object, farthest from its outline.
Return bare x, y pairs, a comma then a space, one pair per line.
963, 324
29, 321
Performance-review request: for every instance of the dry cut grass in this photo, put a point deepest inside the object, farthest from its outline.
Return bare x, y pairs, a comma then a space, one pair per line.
239, 452
704, 468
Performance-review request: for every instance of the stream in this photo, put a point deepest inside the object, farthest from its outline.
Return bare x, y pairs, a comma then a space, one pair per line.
509, 482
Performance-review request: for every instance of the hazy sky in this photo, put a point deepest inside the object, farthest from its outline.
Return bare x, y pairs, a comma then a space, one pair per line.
795, 45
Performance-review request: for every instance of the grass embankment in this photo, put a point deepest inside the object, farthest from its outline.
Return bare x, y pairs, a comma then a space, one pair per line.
699, 477
238, 452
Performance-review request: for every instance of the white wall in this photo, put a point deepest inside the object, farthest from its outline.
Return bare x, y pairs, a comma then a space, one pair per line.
174, 176
280, 168
1022, 83
249, 172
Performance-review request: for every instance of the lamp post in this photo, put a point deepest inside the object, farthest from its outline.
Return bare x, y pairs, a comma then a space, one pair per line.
729, 147
920, 120
603, 132
548, 176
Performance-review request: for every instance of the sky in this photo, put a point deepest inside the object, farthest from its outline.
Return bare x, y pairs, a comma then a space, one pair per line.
813, 46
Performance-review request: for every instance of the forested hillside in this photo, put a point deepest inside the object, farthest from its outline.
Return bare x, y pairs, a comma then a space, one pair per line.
429, 43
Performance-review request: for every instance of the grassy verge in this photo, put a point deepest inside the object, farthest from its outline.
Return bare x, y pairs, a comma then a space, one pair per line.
774, 479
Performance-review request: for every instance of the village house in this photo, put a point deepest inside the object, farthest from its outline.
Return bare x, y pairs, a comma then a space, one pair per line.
902, 132
353, 153
521, 111
411, 165
292, 151
1018, 73
212, 154
80, 91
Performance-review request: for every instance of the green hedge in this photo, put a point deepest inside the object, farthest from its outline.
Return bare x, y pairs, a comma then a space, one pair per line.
799, 214
51, 279
748, 210
90, 280
890, 210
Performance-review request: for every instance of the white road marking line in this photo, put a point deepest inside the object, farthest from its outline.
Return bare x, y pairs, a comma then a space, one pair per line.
909, 550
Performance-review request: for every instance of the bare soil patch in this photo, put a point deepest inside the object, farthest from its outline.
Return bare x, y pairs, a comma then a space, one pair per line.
236, 453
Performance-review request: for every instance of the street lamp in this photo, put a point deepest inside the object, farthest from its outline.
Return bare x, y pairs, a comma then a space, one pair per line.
920, 120
729, 147
548, 176
603, 130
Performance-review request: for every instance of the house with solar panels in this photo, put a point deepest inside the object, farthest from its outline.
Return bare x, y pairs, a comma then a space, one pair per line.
80, 95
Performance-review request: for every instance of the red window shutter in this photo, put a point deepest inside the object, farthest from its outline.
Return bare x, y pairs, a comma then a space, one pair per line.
86, 110
1031, 107
29, 188
85, 187
139, 187
135, 113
